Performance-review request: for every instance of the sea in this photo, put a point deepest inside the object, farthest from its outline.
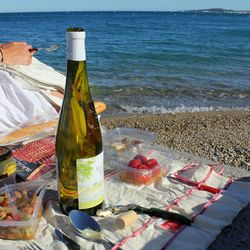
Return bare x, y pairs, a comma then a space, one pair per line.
149, 62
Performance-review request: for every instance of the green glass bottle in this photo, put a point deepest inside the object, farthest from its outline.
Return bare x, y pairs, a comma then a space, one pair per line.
79, 150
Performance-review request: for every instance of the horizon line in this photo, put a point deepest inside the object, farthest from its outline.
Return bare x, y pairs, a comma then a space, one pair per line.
186, 10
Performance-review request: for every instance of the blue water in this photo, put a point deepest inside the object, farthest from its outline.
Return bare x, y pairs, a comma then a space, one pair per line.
150, 61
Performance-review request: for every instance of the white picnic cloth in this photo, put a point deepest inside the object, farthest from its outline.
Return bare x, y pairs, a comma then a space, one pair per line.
210, 212
20, 106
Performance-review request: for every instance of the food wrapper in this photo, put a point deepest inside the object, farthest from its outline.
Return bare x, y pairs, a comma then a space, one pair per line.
35, 159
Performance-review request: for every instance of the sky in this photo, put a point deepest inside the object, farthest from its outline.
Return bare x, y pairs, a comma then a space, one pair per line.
119, 5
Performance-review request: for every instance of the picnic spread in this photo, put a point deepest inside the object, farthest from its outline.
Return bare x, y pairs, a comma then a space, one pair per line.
155, 197
196, 190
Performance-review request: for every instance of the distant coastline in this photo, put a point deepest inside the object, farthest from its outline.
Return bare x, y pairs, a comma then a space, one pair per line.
211, 10
219, 10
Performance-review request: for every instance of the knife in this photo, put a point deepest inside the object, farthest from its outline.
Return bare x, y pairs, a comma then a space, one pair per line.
67, 241
164, 214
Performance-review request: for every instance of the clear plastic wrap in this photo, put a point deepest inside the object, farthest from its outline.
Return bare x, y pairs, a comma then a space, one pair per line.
28, 133
123, 139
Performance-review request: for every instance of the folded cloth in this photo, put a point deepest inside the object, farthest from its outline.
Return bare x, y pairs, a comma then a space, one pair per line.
46, 76
20, 106
40, 77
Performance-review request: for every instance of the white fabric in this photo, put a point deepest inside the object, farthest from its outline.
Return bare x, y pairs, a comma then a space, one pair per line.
19, 106
40, 77
36, 71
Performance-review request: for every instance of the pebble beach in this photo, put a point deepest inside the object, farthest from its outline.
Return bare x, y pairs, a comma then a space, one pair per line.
222, 136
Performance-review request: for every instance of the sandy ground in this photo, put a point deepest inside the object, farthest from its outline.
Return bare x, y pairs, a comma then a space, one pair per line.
218, 136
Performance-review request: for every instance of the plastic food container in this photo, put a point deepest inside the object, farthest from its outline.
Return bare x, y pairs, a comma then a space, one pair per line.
143, 167
120, 140
7, 167
21, 209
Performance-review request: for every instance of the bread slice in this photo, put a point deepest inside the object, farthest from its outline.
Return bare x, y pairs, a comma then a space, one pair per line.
99, 107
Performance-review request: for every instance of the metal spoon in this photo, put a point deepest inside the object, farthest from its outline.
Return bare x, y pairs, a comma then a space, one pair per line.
49, 49
87, 227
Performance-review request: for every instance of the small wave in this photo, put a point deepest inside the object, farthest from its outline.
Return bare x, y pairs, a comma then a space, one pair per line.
180, 109
242, 96
118, 90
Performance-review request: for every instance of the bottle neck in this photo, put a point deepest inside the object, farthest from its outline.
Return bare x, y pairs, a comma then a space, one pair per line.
75, 46
77, 80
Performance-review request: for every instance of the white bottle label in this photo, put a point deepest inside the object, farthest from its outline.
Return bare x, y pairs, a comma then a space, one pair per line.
90, 181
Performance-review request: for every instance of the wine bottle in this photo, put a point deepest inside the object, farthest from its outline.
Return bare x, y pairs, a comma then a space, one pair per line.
79, 151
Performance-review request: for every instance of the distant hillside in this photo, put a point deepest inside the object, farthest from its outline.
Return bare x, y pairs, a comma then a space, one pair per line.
219, 10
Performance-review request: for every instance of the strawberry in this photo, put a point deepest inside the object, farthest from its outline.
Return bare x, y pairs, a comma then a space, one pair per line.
151, 163
142, 166
142, 158
134, 163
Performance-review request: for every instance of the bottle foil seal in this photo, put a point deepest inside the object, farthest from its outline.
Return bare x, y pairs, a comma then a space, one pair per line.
75, 45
